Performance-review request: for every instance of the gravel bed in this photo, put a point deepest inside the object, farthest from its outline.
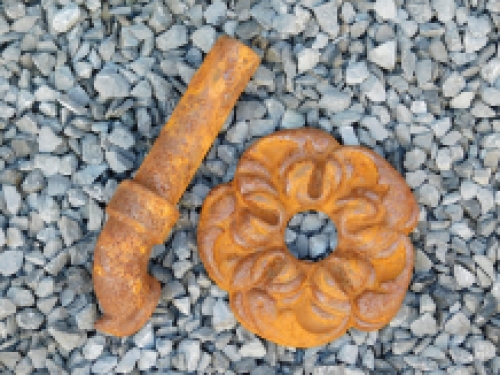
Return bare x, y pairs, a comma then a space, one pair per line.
86, 86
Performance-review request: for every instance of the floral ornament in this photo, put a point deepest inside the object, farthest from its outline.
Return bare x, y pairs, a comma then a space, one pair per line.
299, 303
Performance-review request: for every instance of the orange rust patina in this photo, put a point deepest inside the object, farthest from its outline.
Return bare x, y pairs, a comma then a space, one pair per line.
142, 211
299, 303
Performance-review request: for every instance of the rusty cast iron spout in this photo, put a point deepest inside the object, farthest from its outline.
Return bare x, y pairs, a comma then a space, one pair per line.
143, 210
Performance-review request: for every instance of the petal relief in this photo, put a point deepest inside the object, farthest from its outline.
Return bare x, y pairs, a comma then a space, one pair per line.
297, 177
358, 169
402, 281
265, 206
323, 280
256, 228
402, 207
332, 305
389, 263
237, 303
206, 247
373, 310
287, 280
309, 183
271, 154
220, 254
246, 184
256, 268
314, 318
353, 275
227, 254
358, 212
376, 308
250, 166
368, 242
219, 205
255, 308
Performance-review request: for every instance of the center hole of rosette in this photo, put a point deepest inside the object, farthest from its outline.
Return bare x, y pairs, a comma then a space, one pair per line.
311, 236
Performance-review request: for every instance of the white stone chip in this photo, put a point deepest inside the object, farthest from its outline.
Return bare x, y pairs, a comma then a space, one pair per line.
222, 317
356, 73
48, 141
464, 278
307, 59
463, 100
192, 352
384, 55
65, 18
326, 14
12, 199
386, 9
253, 349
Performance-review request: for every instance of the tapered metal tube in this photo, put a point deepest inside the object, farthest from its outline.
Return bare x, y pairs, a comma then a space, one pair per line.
143, 210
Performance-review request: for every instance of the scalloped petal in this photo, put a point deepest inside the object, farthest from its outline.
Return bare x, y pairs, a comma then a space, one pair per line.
359, 170
315, 319
356, 213
251, 231
388, 264
404, 213
323, 280
206, 248
311, 183
374, 309
247, 184
353, 275
249, 166
255, 306
368, 242
287, 281
219, 205
257, 268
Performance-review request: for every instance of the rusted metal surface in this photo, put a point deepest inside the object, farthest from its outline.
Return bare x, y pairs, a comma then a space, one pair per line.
299, 303
142, 211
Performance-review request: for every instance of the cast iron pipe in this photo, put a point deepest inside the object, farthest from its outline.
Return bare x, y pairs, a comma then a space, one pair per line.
143, 210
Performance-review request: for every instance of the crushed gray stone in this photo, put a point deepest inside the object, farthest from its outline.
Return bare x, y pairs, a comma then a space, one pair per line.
7, 308
65, 18
128, 361
191, 351
67, 338
29, 318
11, 261
222, 317
173, 38
424, 325
105, 365
110, 85
356, 73
384, 55
326, 15
254, 349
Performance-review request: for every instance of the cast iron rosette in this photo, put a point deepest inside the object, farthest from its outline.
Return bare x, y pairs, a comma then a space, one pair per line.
298, 303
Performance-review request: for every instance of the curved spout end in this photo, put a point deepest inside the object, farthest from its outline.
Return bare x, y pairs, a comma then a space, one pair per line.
127, 294
122, 326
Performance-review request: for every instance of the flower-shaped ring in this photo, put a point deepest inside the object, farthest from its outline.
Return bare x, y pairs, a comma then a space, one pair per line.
299, 303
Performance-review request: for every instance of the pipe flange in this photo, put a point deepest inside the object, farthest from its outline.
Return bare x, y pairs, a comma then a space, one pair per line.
299, 303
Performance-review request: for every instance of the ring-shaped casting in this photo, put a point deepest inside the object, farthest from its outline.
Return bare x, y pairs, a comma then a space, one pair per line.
299, 303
